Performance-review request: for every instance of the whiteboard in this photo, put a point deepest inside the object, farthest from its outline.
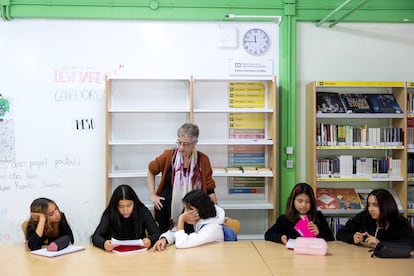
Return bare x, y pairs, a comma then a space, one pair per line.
52, 74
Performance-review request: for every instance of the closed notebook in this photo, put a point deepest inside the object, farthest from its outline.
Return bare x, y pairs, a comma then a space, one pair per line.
70, 249
128, 249
302, 228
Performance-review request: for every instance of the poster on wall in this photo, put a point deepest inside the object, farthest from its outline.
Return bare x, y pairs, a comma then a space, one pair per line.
6, 131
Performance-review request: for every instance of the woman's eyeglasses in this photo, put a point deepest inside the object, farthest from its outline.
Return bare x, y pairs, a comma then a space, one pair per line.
184, 144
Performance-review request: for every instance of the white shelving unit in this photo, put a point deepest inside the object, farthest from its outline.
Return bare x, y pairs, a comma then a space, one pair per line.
142, 117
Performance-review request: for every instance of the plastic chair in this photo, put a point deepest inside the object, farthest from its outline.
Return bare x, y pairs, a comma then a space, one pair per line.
234, 224
24, 228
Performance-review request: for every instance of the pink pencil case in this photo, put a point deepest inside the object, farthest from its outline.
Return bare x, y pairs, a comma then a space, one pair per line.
311, 246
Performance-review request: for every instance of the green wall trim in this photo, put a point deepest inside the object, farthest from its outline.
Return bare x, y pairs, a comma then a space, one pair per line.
287, 106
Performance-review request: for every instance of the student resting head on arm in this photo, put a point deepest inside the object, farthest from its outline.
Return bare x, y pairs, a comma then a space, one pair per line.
380, 221
301, 202
125, 218
205, 221
47, 225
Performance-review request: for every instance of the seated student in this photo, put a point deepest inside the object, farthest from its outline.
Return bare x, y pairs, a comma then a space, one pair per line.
205, 218
380, 221
47, 225
301, 202
125, 218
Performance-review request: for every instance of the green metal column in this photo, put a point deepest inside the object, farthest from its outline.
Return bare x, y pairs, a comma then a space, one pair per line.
287, 103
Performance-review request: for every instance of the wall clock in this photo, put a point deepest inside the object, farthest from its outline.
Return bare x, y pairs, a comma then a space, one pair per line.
256, 42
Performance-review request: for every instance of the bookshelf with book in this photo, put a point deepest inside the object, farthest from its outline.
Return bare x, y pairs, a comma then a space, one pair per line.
239, 115
410, 151
360, 148
142, 117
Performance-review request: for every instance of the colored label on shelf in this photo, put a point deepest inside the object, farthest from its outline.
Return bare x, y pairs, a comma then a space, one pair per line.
361, 83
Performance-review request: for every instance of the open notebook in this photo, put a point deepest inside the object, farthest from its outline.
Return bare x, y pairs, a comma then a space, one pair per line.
128, 246
70, 249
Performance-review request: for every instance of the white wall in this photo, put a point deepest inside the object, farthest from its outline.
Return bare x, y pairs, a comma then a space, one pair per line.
52, 72
349, 52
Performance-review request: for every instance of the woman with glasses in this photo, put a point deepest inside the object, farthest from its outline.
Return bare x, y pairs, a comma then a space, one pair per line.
182, 169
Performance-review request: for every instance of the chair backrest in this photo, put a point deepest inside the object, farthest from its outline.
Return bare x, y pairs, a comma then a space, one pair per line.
24, 228
234, 224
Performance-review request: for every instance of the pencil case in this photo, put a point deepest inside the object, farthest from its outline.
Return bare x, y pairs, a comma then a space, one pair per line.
311, 246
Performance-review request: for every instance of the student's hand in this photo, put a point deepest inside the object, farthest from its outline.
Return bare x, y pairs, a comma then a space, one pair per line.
108, 246
156, 200
371, 241
313, 228
38, 216
359, 237
284, 239
190, 217
160, 245
147, 242
52, 247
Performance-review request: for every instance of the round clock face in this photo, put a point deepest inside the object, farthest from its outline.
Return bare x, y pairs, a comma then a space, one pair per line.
256, 42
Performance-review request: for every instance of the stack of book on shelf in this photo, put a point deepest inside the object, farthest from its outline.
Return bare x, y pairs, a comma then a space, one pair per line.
249, 158
410, 167
246, 156
331, 102
246, 126
410, 199
347, 166
346, 135
410, 134
252, 185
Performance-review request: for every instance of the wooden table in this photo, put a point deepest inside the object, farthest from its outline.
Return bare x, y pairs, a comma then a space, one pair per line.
226, 258
254, 258
341, 259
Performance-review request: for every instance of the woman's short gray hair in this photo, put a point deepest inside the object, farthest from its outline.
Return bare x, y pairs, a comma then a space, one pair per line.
189, 130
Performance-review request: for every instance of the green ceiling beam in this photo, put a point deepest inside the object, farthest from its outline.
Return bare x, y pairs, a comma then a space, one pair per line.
205, 10
141, 10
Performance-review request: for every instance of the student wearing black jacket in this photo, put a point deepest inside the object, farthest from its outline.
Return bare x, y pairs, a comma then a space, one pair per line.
47, 225
301, 203
125, 218
380, 221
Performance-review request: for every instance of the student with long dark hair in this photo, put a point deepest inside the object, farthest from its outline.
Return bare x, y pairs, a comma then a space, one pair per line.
200, 223
47, 226
380, 221
125, 218
301, 202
